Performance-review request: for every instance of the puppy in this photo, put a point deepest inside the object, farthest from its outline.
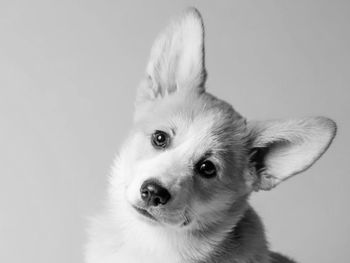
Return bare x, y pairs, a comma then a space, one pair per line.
178, 191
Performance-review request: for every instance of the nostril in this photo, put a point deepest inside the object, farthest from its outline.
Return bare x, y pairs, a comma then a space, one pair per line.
162, 197
156, 201
144, 194
153, 194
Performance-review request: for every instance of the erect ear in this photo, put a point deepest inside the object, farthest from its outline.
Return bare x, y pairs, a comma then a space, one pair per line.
177, 58
281, 149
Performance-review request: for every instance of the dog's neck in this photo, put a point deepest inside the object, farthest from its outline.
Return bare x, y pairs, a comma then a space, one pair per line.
200, 244
245, 242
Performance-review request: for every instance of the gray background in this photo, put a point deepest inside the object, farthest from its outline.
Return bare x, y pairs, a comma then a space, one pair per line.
68, 73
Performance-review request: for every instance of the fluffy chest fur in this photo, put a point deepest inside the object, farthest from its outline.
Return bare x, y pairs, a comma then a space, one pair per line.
136, 243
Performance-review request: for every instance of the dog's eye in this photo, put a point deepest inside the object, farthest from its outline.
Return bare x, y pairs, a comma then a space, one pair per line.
160, 139
206, 169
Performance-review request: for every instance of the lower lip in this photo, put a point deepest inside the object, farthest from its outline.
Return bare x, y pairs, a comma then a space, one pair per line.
144, 213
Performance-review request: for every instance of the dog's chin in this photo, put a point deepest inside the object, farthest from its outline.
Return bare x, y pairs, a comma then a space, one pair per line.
145, 214
163, 218
180, 221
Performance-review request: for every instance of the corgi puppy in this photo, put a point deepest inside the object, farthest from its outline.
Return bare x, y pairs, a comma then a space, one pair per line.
178, 190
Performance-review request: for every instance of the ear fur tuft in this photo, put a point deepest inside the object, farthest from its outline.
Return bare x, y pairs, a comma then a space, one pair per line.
177, 58
285, 148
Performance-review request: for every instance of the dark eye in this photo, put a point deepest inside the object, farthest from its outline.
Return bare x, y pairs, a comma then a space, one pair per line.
160, 139
206, 169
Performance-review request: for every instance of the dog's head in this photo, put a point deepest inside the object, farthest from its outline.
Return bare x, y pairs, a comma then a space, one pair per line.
191, 159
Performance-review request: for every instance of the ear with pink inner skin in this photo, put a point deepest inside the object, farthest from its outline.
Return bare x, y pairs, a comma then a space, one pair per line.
284, 148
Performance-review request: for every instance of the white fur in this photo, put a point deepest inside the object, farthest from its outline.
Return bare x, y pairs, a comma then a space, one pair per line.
206, 220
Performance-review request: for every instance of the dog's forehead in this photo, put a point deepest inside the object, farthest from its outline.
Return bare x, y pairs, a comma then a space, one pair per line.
204, 127
200, 120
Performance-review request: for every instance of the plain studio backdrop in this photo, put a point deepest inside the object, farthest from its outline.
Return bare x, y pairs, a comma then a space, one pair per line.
68, 74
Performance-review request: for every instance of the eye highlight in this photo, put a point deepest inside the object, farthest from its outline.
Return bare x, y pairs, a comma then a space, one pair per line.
160, 139
206, 169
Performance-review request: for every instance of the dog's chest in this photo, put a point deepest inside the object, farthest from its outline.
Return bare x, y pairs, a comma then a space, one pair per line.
132, 255
138, 248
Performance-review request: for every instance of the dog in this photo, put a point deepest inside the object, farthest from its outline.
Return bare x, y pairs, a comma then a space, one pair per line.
178, 191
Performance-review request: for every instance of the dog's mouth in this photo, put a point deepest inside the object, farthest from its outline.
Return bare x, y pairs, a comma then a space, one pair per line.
144, 212
185, 218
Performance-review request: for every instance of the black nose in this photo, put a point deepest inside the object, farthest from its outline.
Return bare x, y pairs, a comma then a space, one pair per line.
153, 194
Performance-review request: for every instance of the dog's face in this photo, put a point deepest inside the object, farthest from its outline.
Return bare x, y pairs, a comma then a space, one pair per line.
191, 159
189, 153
